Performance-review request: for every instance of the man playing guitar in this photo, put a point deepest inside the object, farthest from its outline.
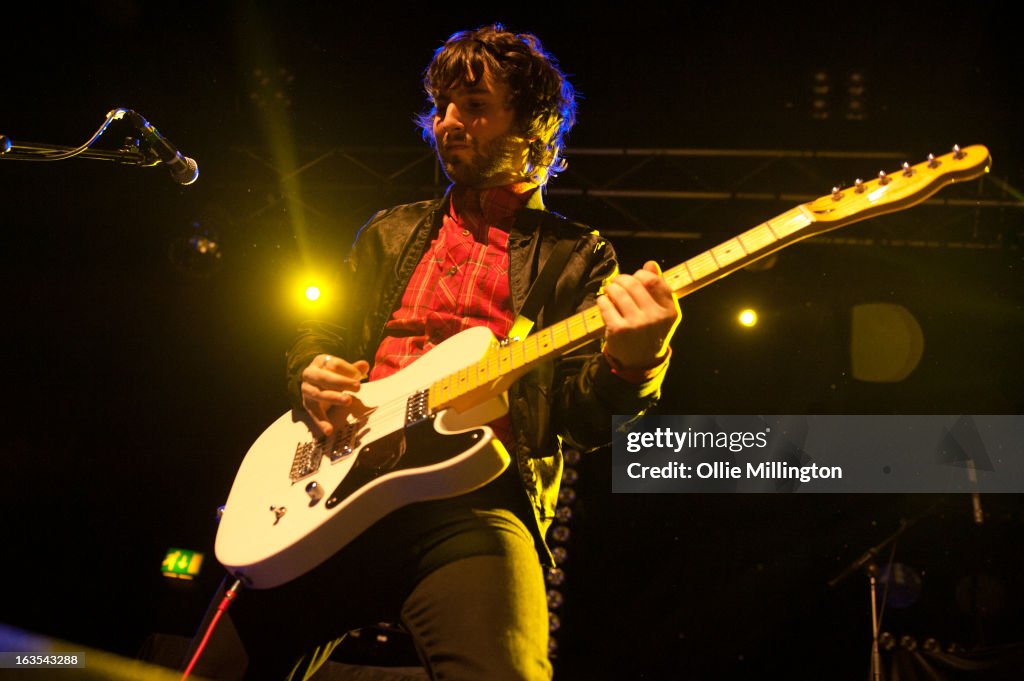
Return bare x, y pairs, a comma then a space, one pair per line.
464, 574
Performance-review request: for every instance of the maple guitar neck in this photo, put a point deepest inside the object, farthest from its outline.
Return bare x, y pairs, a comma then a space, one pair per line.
886, 194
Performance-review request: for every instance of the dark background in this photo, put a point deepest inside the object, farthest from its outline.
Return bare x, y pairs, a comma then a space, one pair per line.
135, 378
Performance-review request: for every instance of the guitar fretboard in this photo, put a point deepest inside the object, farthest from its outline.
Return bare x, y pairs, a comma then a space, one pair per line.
740, 251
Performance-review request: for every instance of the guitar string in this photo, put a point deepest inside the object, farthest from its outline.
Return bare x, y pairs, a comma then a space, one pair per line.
490, 368
554, 338
696, 270
542, 344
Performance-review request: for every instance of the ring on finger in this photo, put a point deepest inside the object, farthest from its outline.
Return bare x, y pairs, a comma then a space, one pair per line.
323, 364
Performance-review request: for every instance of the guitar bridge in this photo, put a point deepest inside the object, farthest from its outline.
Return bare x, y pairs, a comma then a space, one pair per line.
306, 460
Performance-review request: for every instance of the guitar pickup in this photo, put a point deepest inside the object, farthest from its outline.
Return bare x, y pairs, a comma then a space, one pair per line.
417, 408
341, 444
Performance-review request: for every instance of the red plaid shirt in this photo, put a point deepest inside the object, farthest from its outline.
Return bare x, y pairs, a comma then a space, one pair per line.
461, 281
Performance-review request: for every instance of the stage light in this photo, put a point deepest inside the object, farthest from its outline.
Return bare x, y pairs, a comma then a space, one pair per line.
856, 96
196, 250
555, 576
272, 88
821, 95
747, 317
903, 584
307, 290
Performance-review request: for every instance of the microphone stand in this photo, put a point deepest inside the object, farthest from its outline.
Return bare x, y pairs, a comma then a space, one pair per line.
867, 563
130, 152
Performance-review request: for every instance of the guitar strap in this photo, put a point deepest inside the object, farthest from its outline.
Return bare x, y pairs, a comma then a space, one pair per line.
541, 288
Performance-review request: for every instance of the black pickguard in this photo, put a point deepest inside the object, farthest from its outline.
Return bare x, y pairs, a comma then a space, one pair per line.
414, 446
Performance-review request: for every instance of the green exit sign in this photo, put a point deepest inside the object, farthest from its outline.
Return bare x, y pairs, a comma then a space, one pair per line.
182, 564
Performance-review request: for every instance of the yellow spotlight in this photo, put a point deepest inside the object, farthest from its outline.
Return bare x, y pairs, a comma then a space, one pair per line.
748, 318
312, 293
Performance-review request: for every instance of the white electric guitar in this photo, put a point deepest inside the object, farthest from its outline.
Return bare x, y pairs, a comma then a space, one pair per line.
420, 434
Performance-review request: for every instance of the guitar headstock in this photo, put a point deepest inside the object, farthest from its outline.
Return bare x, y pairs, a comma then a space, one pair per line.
900, 189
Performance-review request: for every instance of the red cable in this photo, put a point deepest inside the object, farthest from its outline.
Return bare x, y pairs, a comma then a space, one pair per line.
229, 596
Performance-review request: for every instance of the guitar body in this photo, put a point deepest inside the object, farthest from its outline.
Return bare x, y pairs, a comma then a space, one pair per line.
295, 502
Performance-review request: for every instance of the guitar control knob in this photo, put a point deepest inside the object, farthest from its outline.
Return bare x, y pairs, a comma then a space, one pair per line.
907, 170
315, 492
958, 153
932, 161
858, 186
883, 179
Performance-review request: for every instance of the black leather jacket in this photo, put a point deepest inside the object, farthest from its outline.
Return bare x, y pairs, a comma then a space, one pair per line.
570, 401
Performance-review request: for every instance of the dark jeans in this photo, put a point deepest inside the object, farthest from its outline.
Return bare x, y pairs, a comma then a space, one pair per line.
469, 590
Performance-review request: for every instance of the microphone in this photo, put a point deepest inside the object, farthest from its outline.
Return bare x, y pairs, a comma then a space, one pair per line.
184, 170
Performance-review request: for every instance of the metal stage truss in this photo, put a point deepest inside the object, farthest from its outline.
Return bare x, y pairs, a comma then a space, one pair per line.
649, 193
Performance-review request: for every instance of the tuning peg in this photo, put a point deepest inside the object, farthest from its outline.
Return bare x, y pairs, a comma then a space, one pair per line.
858, 186
907, 170
836, 194
883, 179
932, 161
958, 153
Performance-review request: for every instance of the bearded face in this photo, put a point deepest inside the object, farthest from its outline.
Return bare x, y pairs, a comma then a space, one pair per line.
476, 137
480, 164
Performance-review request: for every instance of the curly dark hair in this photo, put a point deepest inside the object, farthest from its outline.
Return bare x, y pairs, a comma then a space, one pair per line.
543, 99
